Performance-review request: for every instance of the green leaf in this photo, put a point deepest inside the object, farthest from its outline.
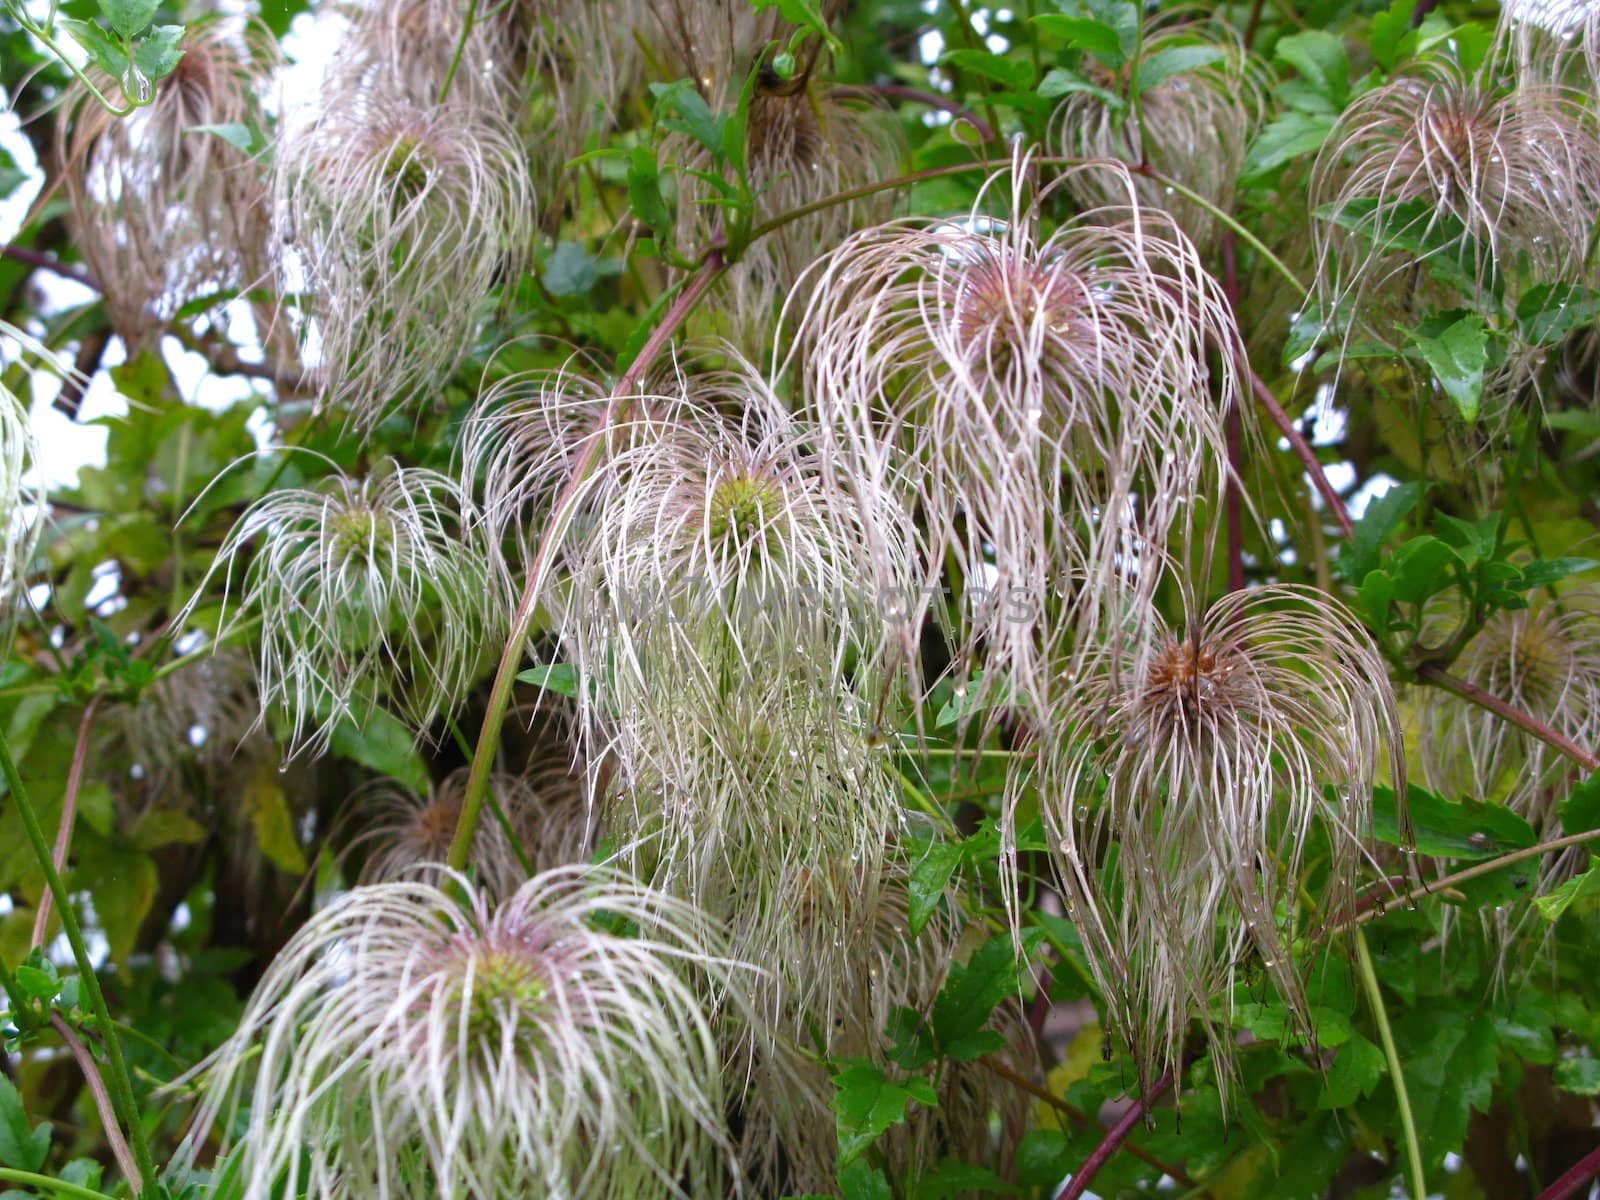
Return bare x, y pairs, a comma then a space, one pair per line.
1291, 136
571, 271
102, 51
382, 743
1450, 1061
1457, 356
273, 823
11, 175
1543, 572
1015, 76
1390, 29
860, 1180
802, 13
38, 985
972, 990
123, 883
644, 193
866, 1104
1421, 568
1558, 900
1085, 33
1474, 541
21, 1147
1377, 596
244, 138
157, 827
1059, 82
1382, 517
1321, 60
1549, 312
1355, 1071
1044, 1158
974, 697
1581, 1076
1580, 811
129, 17
1469, 830
1161, 66
953, 1178
560, 678
930, 877
158, 53
697, 119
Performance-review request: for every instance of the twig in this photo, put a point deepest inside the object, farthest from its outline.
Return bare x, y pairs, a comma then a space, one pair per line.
1581, 1172
1115, 1136
121, 1087
1077, 1114
560, 517
1440, 678
1465, 875
1408, 1125
69, 807
900, 91
48, 262
102, 1098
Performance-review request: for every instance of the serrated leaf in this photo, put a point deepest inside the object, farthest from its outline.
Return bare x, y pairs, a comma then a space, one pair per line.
129, 17
1322, 62
930, 878
1450, 1060
696, 119
867, 1103
21, 1146
644, 193
36, 984
1543, 572
1356, 1069
972, 990
1471, 829
102, 51
1580, 811
159, 827
952, 1178
1016, 76
1382, 517
1044, 1158
158, 53
860, 1180
1390, 29
1558, 900
1457, 357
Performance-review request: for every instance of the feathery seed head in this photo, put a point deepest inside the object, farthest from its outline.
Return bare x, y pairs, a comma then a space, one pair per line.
163, 213
370, 592
1050, 395
405, 1043
1494, 190
1194, 127
22, 501
403, 218
1204, 754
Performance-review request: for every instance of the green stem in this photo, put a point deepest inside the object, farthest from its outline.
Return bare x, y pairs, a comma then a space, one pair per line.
565, 509
121, 1088
29, 1179
1408, 1125
461, 47
43, 35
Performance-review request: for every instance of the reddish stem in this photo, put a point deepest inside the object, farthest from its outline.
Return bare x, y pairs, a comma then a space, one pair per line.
1581, 1172
69, 808
1302, 449
102, 1098
1439, 677
1115, 1136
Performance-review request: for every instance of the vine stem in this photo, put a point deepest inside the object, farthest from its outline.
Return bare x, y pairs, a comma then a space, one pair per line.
1018, 1080
49, 1184
1440, 678
102, 1098
1466, 874
1302, 449
121, 1088
561, 516
1115, 1136
901, 91
1408, 1125
467, 23
69, 808
1581, 1172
